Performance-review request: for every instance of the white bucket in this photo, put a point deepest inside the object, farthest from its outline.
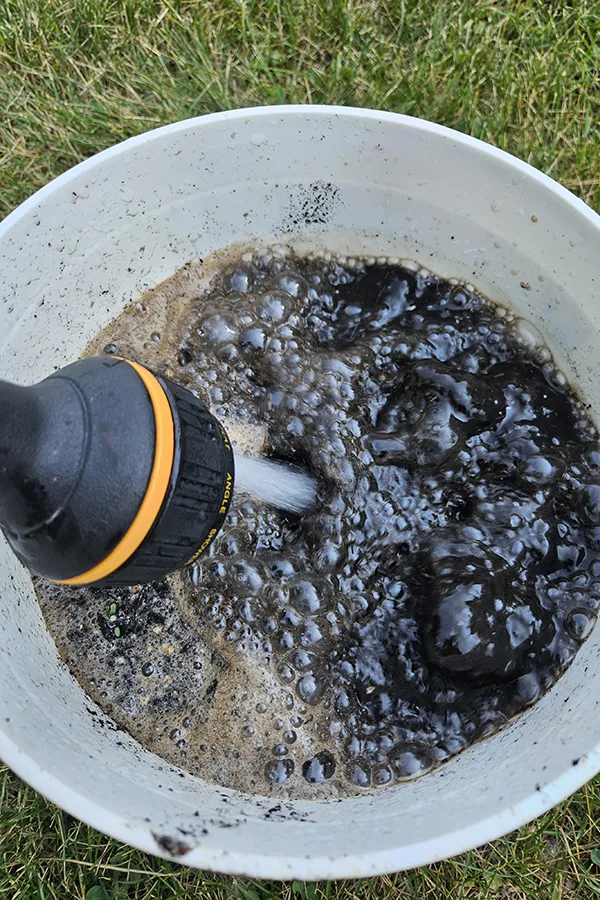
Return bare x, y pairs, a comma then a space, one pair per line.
360, 182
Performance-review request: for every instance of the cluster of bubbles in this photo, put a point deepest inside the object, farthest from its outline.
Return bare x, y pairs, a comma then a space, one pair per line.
447, 576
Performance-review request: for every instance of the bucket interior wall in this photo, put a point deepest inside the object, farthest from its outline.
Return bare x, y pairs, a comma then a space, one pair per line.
354, 182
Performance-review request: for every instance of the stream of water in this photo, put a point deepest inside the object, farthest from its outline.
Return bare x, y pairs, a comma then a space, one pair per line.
279, 484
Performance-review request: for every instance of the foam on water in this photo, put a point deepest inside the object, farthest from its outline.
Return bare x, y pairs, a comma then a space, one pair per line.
443, 581
277, 483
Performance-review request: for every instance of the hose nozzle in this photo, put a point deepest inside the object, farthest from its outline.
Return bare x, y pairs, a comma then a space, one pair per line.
110, 474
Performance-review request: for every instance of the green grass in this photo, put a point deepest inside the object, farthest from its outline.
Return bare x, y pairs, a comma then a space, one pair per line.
78, 76
47, 854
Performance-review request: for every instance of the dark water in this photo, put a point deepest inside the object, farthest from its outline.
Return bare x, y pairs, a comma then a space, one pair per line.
445, 579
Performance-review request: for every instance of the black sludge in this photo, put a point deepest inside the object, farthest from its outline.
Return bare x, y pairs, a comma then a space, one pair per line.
447, 576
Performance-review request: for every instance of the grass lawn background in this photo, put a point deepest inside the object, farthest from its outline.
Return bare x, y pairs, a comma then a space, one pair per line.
76, 77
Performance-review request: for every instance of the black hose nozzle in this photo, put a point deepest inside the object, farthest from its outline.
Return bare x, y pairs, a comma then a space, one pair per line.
109, 474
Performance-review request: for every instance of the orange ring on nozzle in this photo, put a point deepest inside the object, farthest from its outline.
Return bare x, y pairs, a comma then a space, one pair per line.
158, 485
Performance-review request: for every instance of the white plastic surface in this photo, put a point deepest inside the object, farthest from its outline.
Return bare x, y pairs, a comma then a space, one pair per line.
357, 181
